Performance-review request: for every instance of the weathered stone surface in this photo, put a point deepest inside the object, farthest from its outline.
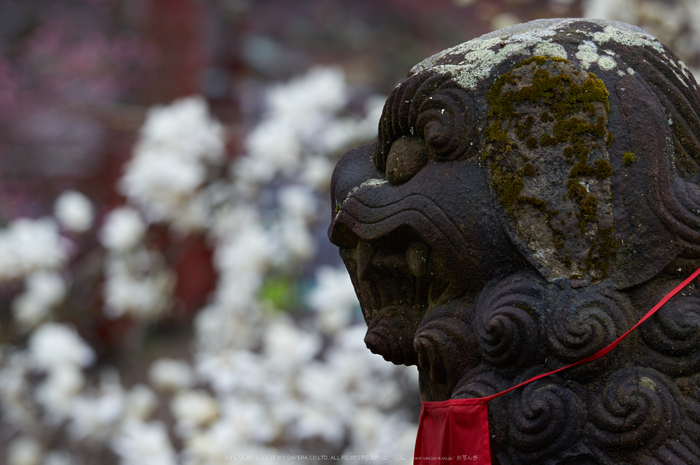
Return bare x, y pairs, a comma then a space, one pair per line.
532, 193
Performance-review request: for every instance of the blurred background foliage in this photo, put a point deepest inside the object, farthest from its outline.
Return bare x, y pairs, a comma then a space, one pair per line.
77, 77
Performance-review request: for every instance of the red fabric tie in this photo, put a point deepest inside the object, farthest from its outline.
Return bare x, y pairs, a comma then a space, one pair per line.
457, 430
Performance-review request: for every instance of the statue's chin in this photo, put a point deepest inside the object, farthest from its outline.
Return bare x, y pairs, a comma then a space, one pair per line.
391, 334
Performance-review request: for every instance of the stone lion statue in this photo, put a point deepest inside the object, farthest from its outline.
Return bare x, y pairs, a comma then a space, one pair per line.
532, 193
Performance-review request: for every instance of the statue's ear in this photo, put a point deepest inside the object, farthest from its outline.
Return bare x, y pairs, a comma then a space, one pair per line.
642, 185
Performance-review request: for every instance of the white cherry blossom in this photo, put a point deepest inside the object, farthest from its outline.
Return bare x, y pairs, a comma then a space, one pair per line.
74, 211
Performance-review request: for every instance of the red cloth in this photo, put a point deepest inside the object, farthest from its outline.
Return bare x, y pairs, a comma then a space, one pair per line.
453, 431
457, 430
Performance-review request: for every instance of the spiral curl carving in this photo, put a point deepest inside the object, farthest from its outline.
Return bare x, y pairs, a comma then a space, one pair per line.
546, 417
672, 336
638, 410
581, 322
506, 323
433, 107
446, 346
442, 120
480, 381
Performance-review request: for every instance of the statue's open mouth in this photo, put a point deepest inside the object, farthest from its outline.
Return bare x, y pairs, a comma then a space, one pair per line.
395, 283
398, 270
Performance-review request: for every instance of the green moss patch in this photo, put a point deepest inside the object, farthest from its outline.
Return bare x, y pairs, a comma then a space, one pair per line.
541, 107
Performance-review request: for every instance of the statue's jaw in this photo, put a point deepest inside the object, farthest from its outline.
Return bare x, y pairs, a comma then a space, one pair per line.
393, 284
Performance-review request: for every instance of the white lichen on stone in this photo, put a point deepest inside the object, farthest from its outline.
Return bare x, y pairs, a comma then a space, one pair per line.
684, 69
550, 49
473, 61
373, 182
648, 383
627, 35
587, 53
680, 78
606, 63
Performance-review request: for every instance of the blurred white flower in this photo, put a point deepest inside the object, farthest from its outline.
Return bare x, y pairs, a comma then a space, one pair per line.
298, 202
24, 450
193, 409
59, 457
301, 125
333, 298
178, 144
94, 415
54, 346
28, 245
232, 219
141, 402
141, 443
316, 172
247, 251
287, 344
296, 240
17, 410
43, 291
217, 444
225, 325
185, 129
250, 421
123, 229
74, 211
285, 406
57, 393
339, 134
319, 384
138, 284
317, 422
320, 92
165, 182
171, 375
366, 424
271, 147
381, 433
229, 371
367, 129
244, 251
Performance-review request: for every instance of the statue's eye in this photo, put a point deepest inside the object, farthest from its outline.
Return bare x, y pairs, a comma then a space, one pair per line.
408, 155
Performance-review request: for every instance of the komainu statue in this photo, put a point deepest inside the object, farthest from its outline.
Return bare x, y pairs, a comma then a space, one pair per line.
531, 194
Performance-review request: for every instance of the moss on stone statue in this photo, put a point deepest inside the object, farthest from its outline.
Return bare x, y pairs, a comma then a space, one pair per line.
572, 100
